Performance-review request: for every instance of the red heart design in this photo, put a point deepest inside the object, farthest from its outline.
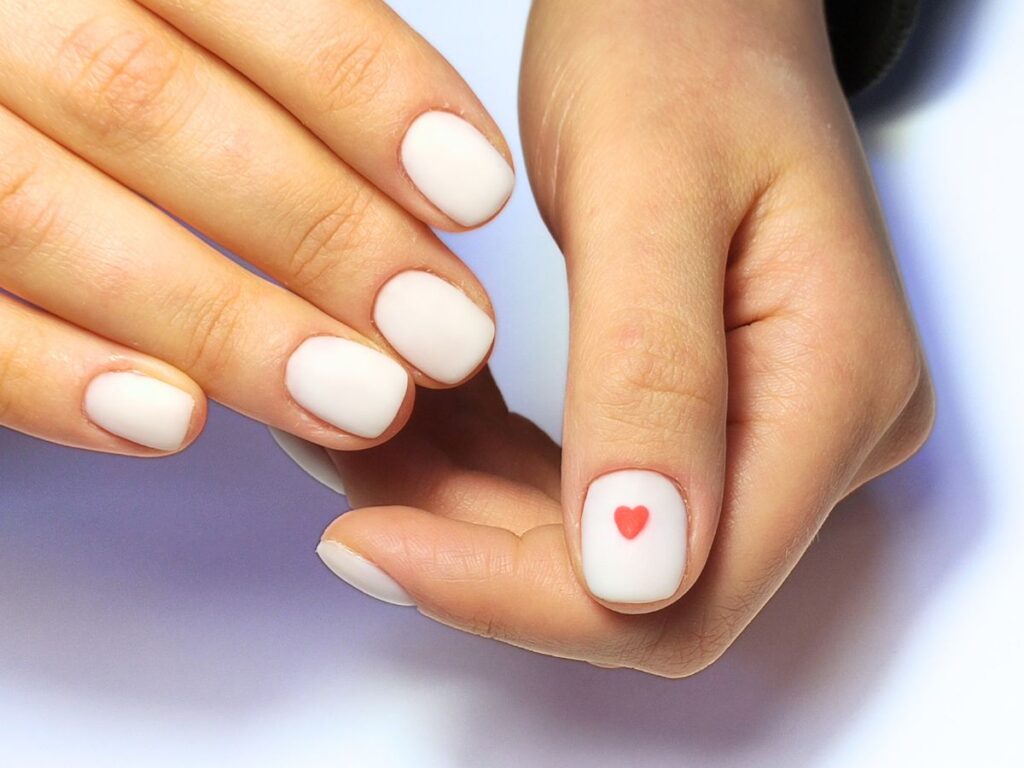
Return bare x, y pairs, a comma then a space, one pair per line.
631, 520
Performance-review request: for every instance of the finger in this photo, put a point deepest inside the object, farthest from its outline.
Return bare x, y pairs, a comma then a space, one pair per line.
373, 90
464, 456
518, 589
66, 386
79, 245
644, 440
144, 104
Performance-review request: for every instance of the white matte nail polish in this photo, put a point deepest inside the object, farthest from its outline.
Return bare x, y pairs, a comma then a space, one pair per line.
456, 167
633, 537
311, 458
140, 408
433, 325
360, 573
347, 384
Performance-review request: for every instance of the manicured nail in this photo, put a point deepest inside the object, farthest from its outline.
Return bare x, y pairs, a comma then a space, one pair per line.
456, 167
633, 537
139, 408
360, 573
347, 384
433, 325
311, 458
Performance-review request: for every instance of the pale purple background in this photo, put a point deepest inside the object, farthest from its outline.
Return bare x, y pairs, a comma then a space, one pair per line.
173, 613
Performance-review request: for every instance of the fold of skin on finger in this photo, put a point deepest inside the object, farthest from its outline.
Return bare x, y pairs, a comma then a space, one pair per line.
88, 250
361, 79
47, 369
131, 95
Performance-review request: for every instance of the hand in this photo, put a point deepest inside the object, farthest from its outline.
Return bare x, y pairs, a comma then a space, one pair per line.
318, 140
738, 327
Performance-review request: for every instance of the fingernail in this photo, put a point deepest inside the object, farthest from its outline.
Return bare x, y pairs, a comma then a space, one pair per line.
633, 537
347, 384
311, 458
456, 167
360, 573
140, 408
433, 325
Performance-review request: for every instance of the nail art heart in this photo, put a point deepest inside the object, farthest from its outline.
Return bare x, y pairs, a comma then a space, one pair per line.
631, 520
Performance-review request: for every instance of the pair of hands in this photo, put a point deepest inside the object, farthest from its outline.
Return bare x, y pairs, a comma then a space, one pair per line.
741, 346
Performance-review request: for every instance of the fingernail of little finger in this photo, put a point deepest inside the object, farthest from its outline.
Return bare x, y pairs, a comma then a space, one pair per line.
139, 408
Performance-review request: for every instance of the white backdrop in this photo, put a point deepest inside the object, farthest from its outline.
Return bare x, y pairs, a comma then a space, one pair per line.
175, 614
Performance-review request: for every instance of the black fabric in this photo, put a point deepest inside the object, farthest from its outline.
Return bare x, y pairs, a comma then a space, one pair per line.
867, 37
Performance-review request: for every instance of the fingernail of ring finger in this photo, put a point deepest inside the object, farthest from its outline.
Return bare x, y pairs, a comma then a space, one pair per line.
140, 408
433, 325
347, 384
633, 537
456, 167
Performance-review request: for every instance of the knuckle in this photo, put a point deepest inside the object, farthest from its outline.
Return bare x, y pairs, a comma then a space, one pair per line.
210, 320
650, 379
914, 426
119, 80
351, 70
27, 211
700, 646
13, 340
924, 422
331, 239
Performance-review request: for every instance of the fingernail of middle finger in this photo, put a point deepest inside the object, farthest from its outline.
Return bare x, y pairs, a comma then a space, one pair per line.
347, 384
433, 325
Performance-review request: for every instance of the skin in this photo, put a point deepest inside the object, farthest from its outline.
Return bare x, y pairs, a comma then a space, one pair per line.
274, 129
738, 323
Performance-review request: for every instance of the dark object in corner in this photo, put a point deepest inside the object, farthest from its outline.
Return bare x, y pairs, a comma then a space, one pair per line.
867, 37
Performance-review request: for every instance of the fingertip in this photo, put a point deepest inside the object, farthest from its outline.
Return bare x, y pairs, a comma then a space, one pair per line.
439, 328
457, 168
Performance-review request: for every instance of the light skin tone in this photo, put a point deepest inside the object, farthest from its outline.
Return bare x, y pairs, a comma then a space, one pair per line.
738, 325
275, 129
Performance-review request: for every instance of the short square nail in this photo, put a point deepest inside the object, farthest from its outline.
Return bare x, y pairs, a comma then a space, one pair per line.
347, 384
433, 325
147, 411
456, 167
360, 573
633, 537
311, 458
